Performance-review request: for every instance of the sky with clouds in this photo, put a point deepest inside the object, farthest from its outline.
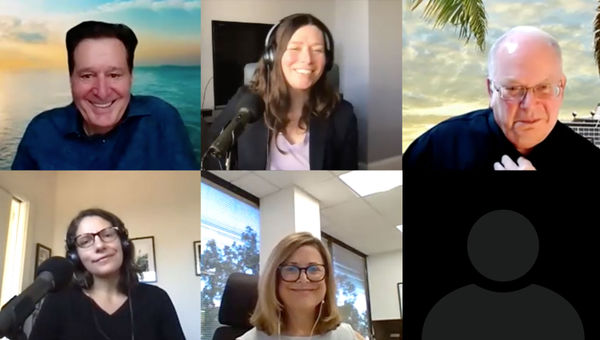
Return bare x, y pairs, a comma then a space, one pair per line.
443, 77
32, 32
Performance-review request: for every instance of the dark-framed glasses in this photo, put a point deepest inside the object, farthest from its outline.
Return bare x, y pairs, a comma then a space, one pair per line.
517, 93
86, 240
291, 273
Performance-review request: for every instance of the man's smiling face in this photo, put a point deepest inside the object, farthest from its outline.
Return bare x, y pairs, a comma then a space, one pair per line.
101, 83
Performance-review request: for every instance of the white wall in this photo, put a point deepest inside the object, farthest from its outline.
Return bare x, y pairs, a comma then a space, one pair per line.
385, 271
351, 34
284, 212
5, 208
39, 189
361, 29
385, 84
307, 213
165, 205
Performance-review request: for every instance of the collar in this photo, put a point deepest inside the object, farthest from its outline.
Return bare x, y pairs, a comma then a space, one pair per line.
503, 145
253, 155
74, 123
318, 139
509, 148
493, 125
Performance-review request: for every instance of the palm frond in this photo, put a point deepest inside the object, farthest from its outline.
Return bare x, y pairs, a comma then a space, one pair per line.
597, 37
468, 16
414, 4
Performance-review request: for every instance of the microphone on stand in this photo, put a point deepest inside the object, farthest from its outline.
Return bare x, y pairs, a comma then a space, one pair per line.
249, 110
52, 275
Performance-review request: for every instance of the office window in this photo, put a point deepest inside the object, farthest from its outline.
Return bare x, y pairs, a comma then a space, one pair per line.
14, 255
350, 272
230, 227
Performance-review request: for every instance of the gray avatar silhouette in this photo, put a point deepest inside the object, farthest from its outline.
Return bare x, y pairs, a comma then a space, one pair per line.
503, 246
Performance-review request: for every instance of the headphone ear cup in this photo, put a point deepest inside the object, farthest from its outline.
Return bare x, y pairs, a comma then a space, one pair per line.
329, 51
268, 56
126, 245
73, 257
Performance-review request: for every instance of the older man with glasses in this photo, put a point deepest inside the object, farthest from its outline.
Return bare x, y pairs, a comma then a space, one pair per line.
520, 130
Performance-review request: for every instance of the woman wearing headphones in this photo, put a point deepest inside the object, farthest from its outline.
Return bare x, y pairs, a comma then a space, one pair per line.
305, 125
296, 294
106, 301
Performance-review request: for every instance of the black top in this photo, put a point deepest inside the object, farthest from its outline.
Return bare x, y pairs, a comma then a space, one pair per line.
69, 315
474, 142
333, 143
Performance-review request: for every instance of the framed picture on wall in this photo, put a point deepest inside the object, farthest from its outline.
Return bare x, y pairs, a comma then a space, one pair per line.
145, 258
197, 257
400, 298
42, 253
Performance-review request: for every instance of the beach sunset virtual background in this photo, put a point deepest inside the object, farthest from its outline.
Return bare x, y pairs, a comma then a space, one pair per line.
32, 32
33, 60
442, 77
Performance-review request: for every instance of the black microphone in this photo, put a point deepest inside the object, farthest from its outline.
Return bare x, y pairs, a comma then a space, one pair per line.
52, 275
249, 109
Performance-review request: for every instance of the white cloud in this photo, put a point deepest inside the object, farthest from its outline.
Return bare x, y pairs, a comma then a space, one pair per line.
18, 30
149, 4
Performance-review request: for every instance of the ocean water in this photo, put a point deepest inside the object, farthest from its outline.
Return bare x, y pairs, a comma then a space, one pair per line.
24, 94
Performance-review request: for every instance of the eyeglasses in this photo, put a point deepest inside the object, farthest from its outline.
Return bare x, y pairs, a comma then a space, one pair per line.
291, 273
86, 240
517, 93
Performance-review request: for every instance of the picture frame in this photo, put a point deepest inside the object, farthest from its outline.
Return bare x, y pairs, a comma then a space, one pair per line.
400, 299
145, 258
197, 246
42, 253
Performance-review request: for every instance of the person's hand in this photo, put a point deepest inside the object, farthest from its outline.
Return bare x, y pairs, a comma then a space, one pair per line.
507, 164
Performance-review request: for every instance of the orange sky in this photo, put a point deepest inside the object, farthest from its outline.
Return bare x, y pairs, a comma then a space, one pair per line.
16, 55
19, 55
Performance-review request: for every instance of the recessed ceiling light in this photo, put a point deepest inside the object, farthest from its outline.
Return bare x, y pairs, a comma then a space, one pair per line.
366, 183
399, 227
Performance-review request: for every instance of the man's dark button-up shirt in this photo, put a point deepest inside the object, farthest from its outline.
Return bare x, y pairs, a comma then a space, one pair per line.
150, 136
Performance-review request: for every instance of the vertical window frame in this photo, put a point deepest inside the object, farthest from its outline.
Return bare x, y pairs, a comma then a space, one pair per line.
330, 241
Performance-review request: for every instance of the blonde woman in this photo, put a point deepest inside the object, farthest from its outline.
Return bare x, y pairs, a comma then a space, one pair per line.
296, 294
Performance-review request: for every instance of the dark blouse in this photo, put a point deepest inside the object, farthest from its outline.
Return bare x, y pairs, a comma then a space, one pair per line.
72, 315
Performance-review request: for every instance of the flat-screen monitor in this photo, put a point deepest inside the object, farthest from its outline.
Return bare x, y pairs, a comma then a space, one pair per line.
234, 44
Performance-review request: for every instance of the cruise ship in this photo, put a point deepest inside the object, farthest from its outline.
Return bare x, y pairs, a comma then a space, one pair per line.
587, 127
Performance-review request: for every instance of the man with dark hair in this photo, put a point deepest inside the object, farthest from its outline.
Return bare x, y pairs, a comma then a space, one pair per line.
105, 127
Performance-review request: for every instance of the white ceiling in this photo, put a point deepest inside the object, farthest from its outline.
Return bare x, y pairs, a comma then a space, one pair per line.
368, 224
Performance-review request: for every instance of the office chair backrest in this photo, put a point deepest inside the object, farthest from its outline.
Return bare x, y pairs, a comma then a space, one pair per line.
237, 304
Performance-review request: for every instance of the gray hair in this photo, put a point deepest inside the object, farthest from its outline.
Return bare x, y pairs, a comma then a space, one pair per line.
531, 30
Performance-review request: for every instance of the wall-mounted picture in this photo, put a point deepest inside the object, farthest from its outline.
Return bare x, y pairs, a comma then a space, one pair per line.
197, 257
42, 253
400, 298
145, 258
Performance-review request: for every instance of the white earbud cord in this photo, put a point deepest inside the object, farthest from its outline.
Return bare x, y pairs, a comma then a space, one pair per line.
317, 320
312, 329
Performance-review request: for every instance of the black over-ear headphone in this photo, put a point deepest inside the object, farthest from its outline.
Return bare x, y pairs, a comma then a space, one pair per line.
127, 253
271, 47
72, 248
